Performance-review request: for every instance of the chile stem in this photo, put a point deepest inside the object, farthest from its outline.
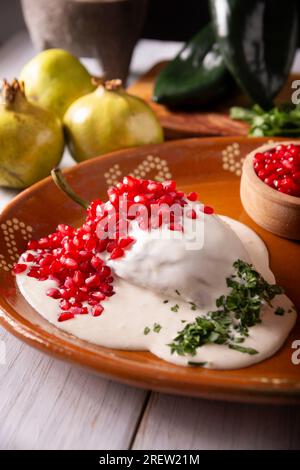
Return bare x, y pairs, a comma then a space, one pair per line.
62, 184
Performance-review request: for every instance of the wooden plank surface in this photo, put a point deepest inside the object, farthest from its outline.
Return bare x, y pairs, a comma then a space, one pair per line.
186, 423
47, 404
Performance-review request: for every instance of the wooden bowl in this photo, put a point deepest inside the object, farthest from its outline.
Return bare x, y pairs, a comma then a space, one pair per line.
274, 211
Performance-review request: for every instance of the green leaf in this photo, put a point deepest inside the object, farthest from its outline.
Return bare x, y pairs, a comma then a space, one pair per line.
279, 311
283, 120
175, 308
242, 349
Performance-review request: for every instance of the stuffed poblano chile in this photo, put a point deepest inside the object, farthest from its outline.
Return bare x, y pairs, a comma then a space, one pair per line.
257, 39
197, 75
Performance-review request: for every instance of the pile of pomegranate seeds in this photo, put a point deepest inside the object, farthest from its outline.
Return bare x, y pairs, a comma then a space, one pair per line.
75, 257
280, 168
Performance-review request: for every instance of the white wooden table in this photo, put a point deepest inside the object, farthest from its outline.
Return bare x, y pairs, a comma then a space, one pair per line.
47, 404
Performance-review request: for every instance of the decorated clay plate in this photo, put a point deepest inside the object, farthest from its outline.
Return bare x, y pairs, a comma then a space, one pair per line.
213, 168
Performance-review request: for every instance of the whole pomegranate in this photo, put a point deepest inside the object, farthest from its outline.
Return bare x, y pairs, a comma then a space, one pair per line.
54, 79
31, 138
109, 119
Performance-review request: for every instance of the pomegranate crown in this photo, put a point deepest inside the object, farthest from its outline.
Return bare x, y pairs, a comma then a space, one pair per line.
110, 85
10, 90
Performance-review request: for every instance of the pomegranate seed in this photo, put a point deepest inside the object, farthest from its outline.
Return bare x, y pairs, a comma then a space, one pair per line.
97, 311
98, 296
34, 272
84, 266
84, 255
106, 271
91, 244
208, 210
32, 245
270, 180
19, 268
78, 278
70, 263
296, 177
65, 229
65, 316
124, 242
54, 293
96, 262
69, 283
47, 260
130, 181
92, 281
193, 196
44, 243
111, 246
169, 185
105, 288
64, 304
78, 310
29, 257
117, 253
84, 289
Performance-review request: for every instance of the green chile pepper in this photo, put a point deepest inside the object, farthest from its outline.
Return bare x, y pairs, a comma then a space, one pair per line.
257, 39
197, 75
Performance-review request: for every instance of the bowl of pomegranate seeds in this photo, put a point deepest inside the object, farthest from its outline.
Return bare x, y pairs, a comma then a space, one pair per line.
270, 187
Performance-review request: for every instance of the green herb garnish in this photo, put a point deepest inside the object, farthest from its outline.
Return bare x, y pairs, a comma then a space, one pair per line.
166, 301
175, 308
193, 306
146, 330
241, 349
279, 311
156, 328
177, 292
235, 314
283, 120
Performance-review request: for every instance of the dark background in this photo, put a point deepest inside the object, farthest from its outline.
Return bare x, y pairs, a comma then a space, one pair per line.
166, 19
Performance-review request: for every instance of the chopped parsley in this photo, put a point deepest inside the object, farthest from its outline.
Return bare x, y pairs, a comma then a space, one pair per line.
242, 349
279, 311
175, 308
235, 314
166, 301
193, 306
177, 292
156, 327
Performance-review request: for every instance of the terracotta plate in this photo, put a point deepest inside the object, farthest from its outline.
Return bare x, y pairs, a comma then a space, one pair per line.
209, 166
210, 121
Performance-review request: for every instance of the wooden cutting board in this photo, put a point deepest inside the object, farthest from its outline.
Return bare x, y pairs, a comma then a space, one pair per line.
205, 122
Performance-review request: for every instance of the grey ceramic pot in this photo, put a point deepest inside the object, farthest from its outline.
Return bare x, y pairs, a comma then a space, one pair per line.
104, 29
